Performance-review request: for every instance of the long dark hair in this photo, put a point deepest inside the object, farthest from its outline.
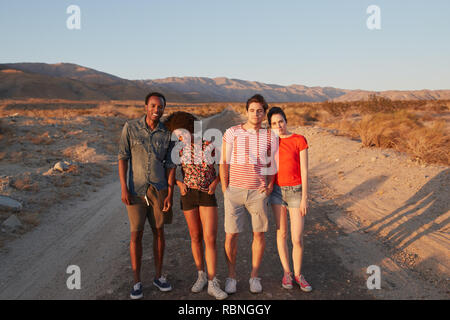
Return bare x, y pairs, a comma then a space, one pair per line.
275, 110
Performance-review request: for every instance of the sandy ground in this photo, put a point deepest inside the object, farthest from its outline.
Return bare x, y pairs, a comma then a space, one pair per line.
369, 207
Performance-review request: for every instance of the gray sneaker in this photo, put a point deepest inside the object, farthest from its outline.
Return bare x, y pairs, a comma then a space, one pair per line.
215, 291
255, 285
202, 280
230, 285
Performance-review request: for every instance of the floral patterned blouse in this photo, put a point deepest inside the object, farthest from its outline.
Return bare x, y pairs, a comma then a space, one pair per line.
198, 165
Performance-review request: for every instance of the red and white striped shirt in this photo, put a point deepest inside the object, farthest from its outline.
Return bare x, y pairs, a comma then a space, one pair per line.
252, 156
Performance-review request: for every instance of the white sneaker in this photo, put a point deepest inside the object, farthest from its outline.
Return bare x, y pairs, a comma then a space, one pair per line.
230, 285
202, 280
255, 285
215, 291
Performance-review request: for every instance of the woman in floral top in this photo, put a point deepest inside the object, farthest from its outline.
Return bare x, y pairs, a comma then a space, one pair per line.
198, 173
198, 200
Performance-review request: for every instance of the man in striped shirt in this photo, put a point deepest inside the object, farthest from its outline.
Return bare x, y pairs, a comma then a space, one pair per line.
247, 172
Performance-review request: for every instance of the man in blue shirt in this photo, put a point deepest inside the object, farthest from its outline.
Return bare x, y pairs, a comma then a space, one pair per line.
145, 154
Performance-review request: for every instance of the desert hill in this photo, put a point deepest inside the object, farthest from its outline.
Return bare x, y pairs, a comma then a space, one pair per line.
75, 82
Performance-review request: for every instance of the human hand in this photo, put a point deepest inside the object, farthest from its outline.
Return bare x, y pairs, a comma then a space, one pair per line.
267, 190
126, 197
304, 207
183, 187
167, 204
212, 188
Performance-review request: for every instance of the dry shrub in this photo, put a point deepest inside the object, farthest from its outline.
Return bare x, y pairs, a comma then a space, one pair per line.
296, 120
41, 139
370, 134
200, 110
73, 169
25, 183
300, 114
429, 145
83, 152
440, 107
404, 132
346, 126
377, 104
239, 108
132, 112
385, 130
107, 110
335, 108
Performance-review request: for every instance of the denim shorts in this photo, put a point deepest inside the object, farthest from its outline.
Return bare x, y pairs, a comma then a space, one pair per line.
289, 196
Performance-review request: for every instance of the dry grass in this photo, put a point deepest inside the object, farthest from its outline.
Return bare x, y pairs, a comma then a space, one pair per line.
41, 139
74, 170
418, 128
377, 121
385, 130
430, 145
25, 183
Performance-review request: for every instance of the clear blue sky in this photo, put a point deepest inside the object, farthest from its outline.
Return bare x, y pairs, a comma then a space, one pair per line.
314, 43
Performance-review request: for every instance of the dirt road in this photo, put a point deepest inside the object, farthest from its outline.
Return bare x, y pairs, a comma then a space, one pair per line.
93, 234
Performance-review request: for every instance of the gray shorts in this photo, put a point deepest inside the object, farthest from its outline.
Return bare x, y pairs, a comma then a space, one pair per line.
286, 196
239, 201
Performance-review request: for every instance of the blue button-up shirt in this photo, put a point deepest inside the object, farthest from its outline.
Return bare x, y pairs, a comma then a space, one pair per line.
149, 154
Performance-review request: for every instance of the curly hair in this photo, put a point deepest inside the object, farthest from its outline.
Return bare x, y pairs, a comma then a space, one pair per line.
180, 120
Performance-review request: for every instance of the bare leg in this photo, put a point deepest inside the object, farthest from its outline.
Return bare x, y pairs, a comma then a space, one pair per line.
230, 253
196, 233
258, 246
297, 224
281, 223
158, 250
136, 254
208, 217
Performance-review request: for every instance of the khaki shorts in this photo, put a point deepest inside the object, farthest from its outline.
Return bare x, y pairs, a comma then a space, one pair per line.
238, 202
138, 211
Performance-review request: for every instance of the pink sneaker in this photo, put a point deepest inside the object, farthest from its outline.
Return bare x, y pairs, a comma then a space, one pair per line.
304, 285
287, 281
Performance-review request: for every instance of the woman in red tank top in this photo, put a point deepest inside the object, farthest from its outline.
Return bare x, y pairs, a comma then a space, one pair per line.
290, 193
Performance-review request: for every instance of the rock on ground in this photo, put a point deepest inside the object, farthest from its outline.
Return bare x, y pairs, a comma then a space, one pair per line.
9, 204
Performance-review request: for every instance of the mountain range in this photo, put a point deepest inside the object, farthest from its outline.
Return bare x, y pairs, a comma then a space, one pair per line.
74, 82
